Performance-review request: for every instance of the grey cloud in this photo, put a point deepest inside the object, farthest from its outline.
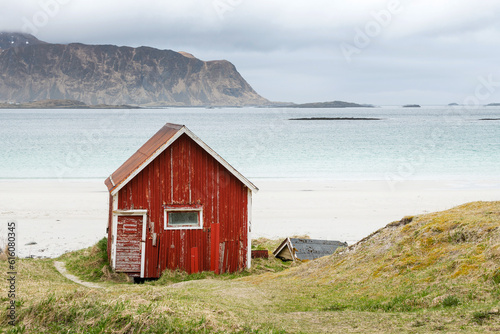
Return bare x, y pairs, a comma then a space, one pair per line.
429, 52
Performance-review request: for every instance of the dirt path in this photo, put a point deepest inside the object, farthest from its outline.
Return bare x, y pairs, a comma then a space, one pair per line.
61, 267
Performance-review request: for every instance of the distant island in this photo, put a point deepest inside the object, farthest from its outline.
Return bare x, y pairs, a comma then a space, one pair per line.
496, 104
330, 104
61, 104
453, 104
335, 119
411, 106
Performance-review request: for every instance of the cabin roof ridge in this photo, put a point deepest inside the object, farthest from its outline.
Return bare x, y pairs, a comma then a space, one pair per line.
152, 148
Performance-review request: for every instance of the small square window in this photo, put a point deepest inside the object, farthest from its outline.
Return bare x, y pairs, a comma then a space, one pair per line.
183, 218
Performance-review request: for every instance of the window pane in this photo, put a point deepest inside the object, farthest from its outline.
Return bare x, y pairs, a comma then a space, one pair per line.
189, 218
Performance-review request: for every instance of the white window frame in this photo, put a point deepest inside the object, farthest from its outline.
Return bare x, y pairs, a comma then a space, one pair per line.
198, 209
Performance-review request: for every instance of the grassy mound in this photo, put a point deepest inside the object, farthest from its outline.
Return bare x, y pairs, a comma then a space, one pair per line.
441, 259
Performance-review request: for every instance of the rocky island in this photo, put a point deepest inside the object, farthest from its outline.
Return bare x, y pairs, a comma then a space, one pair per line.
331, 104
61, 104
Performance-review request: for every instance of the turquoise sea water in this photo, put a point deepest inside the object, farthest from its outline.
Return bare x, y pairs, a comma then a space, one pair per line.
422, 143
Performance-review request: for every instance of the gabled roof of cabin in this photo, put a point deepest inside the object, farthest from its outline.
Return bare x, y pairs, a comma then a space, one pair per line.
160, 141
306, 249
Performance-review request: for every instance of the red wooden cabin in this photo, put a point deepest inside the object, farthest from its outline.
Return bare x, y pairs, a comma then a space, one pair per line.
177, 204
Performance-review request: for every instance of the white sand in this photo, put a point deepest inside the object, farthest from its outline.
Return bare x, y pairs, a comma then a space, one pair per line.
351, 210
69, 215
57, 216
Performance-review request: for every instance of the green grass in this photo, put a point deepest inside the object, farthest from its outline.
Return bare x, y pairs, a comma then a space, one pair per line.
437, 272
92, 264
176, 276
71, 313
259, 266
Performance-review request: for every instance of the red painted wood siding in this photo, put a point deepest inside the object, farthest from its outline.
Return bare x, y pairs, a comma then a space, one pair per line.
185, 174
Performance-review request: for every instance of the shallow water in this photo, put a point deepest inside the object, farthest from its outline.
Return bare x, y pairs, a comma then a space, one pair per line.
407, 143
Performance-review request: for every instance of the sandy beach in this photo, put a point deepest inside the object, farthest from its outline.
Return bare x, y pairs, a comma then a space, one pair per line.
54, 217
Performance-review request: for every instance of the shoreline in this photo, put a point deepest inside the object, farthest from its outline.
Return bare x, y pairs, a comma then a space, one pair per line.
351, 210
66, 215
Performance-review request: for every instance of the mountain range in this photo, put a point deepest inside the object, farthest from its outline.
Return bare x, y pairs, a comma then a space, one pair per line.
33, 70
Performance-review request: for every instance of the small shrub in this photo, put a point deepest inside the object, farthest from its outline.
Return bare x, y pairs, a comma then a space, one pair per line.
418, 323
401, 303
335, 307
18, 329
496, 277
461, 236
450, 301
480, 316
102, 246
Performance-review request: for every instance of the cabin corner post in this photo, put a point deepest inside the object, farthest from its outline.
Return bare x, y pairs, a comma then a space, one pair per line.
110, 226
112, 234
249, 228
143, 243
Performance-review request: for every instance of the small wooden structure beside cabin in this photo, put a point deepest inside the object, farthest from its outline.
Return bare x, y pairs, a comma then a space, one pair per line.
176, 204
260, 254
293, 249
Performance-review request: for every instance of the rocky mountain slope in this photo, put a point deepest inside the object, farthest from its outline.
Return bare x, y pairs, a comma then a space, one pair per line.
9, 40
32, 70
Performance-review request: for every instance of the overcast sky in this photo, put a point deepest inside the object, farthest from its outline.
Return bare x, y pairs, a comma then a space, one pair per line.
386, 52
